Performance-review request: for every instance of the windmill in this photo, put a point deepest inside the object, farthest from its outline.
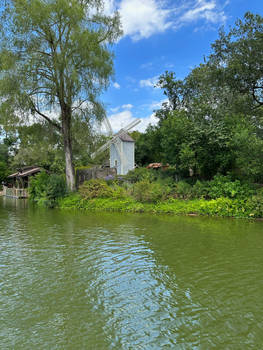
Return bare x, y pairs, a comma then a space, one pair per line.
121, 148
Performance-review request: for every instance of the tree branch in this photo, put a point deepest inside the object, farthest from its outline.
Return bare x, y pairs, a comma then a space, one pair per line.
52, 122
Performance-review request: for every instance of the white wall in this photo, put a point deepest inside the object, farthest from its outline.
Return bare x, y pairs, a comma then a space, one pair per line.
127, 149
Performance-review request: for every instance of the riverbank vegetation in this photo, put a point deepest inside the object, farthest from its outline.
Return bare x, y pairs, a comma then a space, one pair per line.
152, 191
157, 192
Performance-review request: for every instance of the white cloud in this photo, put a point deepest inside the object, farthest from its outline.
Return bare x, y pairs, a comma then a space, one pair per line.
122, 119
147, 121
116, 85
150, 82
148, 65
109, 7
117, 108
142, 19
204, 9
157, 104
128, 106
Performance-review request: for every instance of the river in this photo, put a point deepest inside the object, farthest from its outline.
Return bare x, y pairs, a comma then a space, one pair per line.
79, 280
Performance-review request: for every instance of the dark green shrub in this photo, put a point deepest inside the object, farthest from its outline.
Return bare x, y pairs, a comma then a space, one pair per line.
200, 190
95, 188
182, 190
3, 172
38, 186
45, 189
169, 173
56, 187
140, 174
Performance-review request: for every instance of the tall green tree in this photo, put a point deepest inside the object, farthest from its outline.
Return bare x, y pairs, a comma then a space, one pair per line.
55, 60
238, 57
212, 119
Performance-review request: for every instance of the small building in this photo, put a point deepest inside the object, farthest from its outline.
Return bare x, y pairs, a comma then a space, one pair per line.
17, 184
122, 153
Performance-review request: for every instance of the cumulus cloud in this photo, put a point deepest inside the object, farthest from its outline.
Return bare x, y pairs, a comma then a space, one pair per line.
157, 104
204, 9
128, 106
150, 82
116, 85
142, 19
122, 119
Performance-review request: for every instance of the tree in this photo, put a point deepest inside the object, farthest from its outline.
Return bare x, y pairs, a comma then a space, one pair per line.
55, 59
212, 119
238, 55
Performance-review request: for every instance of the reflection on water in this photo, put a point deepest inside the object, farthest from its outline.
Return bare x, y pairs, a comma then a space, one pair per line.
113, 281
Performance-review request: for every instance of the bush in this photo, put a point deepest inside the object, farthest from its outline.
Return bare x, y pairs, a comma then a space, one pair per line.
70, 202
45, 189
3, 172
170, 173
95, 188
118, 191
145, 191
182, 190
222, 186
200, 190
140, 174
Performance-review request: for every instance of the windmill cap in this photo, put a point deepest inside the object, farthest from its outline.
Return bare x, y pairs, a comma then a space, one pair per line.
126, 137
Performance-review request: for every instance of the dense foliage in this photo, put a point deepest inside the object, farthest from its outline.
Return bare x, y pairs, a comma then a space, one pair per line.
157, 192
211, 122
45, 189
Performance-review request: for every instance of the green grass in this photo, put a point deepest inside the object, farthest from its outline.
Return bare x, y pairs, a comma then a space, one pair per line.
224, 207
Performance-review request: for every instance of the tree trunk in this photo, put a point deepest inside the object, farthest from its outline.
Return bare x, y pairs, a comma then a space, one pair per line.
66, 134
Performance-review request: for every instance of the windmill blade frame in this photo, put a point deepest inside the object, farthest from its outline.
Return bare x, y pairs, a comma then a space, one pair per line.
115, 137
108, 125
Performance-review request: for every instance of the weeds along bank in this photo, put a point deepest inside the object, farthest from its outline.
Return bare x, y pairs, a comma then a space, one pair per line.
153, 192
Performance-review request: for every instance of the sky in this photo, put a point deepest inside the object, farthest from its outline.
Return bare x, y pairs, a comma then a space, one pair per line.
161, 35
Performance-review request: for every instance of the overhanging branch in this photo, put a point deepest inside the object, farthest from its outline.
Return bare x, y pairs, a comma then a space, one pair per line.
52, 122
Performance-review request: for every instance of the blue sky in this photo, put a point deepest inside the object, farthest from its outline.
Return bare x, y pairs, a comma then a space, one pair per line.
161, 35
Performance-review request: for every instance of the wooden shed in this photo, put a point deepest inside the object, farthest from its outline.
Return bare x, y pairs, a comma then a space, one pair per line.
17, 184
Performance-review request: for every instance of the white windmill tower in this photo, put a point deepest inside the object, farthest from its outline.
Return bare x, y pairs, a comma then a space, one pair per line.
121, 148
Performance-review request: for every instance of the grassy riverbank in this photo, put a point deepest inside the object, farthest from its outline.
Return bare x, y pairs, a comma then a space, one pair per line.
144, 191
224, 207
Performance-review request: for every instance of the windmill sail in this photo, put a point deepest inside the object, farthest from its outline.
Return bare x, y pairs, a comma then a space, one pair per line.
121, 153
115, 138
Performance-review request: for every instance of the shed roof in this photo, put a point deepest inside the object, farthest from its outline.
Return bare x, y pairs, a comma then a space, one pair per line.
25, 172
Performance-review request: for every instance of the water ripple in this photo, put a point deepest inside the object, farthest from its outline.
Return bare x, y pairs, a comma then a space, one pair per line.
75, 281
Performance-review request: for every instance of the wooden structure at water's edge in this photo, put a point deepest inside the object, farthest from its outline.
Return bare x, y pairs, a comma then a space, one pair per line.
17, 184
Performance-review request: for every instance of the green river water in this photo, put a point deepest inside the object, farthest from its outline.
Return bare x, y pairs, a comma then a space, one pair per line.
79, 280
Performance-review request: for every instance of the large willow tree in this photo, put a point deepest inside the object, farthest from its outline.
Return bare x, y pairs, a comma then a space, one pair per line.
55, 60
